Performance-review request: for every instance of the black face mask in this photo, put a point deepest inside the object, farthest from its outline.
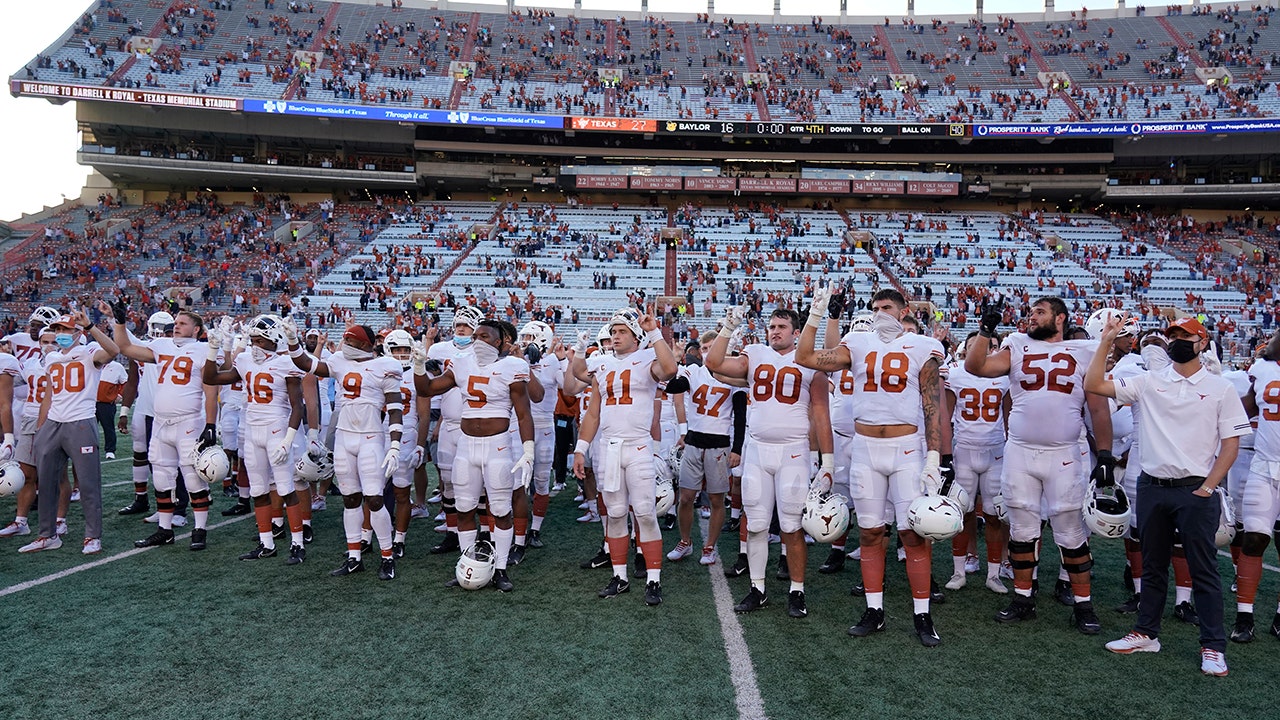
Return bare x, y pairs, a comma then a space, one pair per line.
1182, 350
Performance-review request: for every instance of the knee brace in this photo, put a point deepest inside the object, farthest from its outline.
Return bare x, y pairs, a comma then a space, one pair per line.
1254, 544
352, 501
1077, 561
1018, 549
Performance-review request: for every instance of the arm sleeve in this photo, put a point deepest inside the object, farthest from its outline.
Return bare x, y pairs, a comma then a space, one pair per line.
739, 420
678, 385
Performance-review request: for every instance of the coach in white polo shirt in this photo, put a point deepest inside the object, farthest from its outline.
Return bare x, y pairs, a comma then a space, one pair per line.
1190, 433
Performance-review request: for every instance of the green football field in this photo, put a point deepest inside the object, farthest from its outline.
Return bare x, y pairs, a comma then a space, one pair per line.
167, 633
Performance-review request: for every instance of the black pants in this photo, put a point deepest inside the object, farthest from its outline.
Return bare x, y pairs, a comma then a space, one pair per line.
1161, 511
106, 412
565, 440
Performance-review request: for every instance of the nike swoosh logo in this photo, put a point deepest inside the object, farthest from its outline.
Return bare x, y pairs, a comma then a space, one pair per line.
275, 432
642, 447
1067, 462
190, 431
637, 362
793, 457
907, 347
501, 449
907, 452
999, 457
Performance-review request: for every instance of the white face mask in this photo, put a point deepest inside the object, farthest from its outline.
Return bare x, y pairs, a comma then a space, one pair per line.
886, 327
258, 354
485, 353
355, 354
1155, 358
182, 341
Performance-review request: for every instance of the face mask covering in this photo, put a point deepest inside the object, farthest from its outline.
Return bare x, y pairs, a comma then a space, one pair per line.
64, 340
258, 354
886, 327
462, 342
182, 341
355, 354
486, 354
1155, 358
1181, 351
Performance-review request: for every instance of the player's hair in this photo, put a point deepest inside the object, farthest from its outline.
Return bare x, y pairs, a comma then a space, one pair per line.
707, 337
889, 294
1058, 307
193, 317
790, 316
1075, 332
913, 320
506, 331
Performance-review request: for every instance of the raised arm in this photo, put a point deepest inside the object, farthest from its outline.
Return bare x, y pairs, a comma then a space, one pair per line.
830, 360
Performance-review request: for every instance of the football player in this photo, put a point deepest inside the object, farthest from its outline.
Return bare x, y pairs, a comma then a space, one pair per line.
977, 409
465, 321
66, 428
362, 462
896, 444
138, 400
1260, 505
842, 430
185, 420
494, 383
273, 414
786, 401
1045, 466
547, 364
622, 415
26, 345
35, 385
399, 346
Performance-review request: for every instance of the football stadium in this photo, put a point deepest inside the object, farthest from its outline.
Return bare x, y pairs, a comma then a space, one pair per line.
389, 343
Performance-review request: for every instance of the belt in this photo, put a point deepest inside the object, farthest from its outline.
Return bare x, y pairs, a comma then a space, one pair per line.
1171, 482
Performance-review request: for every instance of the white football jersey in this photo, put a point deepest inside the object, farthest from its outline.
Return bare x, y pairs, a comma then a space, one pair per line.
1046, 384
363, 387
73, 383
886, 376
450, 403
179, 391
1265, 375
266, 393
778, 396
842, 402
709, 402
549, 371
486, 391
1240, 380
233, 395
34, 385
978, 419
625, 388
408, 396
23, 346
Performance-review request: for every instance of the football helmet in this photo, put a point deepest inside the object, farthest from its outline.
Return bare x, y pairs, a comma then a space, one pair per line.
212, 465
936, 517
44, 315
1099, 318
538, 334
861, 323
398, 340
1226, 520
666, 496
159, 324
269, 327
603, 335
11, 479
311, 469
475, 568
826, 515
1106, 512
469, 316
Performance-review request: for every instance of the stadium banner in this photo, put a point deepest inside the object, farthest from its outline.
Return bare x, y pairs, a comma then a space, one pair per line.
1126, 129
711, 184
878, 187
135, 96
656, 182
795, 129
477, 118
761, 184
932, 187
827, 187
602, 182
611, 124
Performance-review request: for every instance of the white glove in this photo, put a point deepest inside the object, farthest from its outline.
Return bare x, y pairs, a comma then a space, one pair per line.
826, 477
731, 320
418, 358
215, 342
418, 456
818, 310
7, 448
1209, 359
290, 331
583, 341
315, 448
242, 342
279, 454
391, 460
523, 469
931, 476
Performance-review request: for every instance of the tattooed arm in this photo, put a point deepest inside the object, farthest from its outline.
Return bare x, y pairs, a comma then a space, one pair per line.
929, 398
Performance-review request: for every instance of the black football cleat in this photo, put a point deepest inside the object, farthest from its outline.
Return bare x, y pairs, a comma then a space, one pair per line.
1062, 593
448, 545
517, 555
653, 593
535, 539
739, 567
639, 570
599, 560
139, 505
397, 550
387, 570
616, 587
308, 535
1243, 630
1275, 626
155, 539
366, 546
297, 554
279, 531
348, 566
502, 582
731, 525
924, 630
669, 521
872, 621
834, 562
754, 600
258, 553
240, 508
796, 607
1022, 608
1186, 612
1130, 606
936, 596
1085, 619
784, 571
199, 539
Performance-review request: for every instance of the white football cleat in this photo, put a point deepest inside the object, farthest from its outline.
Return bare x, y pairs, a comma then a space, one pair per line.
710, 556
60, 528
40, 544
419, 511
997, 587
153, 518
681, 551
318, 503
111, 456
591, 517
15, 528
1136, 642
1213, 663
856, 554
92, 546
179, 520
971, 564
75, 495
957, 581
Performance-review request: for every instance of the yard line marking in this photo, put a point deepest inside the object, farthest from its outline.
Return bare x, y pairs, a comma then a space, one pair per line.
12, 589
746, 688
1265, 566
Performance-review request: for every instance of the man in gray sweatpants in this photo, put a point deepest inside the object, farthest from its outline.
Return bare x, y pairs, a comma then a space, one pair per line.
66, 428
